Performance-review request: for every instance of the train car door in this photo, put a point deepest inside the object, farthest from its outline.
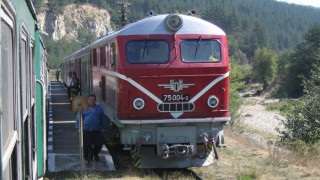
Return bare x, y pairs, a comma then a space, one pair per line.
96, 74
114, 84
85, 76
25, 81
103, 65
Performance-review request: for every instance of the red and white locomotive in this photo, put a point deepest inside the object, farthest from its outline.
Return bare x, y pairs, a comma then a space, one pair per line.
163, 81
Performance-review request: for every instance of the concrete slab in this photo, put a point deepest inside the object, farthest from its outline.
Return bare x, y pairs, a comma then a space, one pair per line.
65, 162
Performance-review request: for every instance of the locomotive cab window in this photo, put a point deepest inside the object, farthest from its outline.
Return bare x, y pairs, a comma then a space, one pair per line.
147, 51
200, 50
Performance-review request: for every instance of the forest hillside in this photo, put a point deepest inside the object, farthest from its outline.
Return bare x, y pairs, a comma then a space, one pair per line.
276, 24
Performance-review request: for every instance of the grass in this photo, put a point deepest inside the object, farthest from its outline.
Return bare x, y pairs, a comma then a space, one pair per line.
285, 106
86, 175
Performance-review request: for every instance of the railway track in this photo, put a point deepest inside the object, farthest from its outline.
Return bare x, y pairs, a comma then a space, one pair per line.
123, 162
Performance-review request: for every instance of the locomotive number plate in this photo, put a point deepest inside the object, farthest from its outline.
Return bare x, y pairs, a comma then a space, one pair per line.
175, 97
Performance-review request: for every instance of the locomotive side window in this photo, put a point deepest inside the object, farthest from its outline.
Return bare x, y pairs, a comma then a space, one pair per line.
106, 49
200, 50
113, 54
102, 56
94, 57
147, 51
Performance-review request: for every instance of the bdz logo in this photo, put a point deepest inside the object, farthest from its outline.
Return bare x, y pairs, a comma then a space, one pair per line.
176, 86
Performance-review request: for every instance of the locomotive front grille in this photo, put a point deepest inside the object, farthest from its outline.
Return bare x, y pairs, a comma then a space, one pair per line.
175, 107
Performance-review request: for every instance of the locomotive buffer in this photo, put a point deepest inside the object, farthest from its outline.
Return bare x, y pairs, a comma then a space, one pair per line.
63, 140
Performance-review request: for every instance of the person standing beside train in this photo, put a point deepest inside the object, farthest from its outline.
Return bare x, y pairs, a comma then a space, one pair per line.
75, 85
57, 74
94, 125
68, 83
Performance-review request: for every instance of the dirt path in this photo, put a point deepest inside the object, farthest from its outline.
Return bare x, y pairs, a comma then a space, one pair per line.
255, 115
259, 124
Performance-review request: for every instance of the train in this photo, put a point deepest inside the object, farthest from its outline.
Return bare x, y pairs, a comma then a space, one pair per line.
23, 93
163, 82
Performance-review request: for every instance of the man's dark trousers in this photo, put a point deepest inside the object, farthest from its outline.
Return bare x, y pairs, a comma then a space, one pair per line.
92, 144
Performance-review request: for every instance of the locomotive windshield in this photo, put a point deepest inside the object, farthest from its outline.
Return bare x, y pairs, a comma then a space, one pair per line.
200, 50
147, 51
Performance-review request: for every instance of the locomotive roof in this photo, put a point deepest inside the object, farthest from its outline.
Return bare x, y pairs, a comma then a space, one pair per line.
157, 25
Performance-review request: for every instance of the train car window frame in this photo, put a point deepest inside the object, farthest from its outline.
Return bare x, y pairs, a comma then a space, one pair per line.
25, 82
103, 59
33, 66
24, 69
33, 120
138, 52
9, 166
113, 54
190, 49
106, 49
88, 71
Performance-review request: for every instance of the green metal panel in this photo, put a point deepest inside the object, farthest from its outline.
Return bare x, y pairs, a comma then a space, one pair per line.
40, 140
39, 108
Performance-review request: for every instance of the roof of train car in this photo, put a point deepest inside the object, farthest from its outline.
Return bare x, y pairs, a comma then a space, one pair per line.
32, 9
155, 25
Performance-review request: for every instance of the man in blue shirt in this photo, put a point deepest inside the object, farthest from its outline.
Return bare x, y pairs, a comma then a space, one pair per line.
94, 124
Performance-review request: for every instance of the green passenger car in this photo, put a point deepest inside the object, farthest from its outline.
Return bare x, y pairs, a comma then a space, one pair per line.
23, 93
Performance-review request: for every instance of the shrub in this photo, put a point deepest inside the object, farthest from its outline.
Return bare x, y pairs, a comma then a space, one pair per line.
315, 149
299, 146
237, 75
304, 123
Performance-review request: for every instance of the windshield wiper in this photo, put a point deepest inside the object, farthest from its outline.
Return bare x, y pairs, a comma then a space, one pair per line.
197, 47
145, 46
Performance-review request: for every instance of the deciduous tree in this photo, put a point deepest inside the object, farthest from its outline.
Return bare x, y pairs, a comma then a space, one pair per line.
264, 65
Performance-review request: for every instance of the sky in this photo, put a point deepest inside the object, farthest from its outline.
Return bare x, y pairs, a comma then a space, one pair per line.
315, 3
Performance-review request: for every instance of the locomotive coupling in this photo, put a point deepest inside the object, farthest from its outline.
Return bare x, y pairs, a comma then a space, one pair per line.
204, 138
176, 150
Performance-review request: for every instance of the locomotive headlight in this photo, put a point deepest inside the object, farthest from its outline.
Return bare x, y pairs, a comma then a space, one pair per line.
138, 103
174, 22
213, 101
